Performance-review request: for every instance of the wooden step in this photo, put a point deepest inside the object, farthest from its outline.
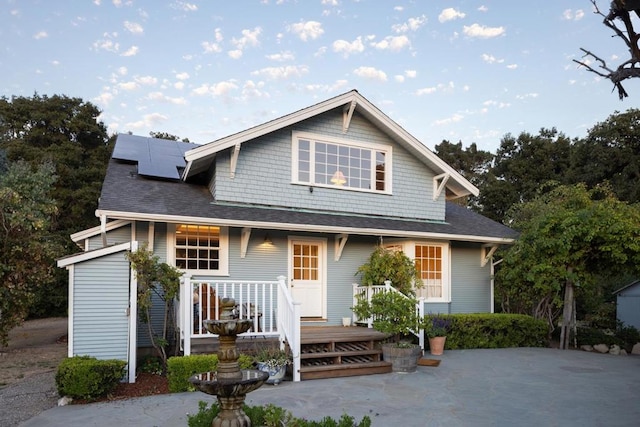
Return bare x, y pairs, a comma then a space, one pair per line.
344, 370
331, 354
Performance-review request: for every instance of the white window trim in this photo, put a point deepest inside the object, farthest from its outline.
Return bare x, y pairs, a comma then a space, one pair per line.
224, 252
409, 247
387, 149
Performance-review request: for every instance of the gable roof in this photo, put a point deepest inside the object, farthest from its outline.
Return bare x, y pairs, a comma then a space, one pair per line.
199, 159
129, 196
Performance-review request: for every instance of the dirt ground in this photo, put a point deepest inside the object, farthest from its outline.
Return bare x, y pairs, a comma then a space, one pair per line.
35, 347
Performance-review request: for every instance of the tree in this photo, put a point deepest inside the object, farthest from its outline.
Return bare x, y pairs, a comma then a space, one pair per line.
521, 166
158, 281
619, 13
169, 136
65, 132
569, 237
26, 248
611, 153
471, 163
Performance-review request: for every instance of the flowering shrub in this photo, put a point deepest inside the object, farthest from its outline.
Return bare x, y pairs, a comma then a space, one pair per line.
436, 325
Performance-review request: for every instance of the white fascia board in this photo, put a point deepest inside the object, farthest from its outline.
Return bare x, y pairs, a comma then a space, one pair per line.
94, 231
86, 256
303, 227
263, 129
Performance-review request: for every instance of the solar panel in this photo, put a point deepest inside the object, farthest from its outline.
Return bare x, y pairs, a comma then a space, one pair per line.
159, 158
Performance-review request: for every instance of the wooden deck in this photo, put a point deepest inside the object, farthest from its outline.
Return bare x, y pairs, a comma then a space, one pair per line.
335, 351
325, 351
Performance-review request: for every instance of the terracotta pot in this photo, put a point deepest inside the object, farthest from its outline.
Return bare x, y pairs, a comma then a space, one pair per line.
436, 345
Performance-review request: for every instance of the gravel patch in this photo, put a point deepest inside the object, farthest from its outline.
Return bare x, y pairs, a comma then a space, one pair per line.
27, 398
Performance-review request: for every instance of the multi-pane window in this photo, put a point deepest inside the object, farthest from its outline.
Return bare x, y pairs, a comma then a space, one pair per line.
197, 247
428, 259
305, 261
342, 165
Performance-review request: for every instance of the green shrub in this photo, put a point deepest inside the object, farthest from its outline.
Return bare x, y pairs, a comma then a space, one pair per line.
489, 330
85, 377
625, 336
272, 416
181, 368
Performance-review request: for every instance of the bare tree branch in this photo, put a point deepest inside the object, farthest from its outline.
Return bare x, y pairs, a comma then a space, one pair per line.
619, 10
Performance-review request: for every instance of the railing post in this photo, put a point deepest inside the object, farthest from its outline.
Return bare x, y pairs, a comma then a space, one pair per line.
420, 308
187, 307
295, 350
355, 294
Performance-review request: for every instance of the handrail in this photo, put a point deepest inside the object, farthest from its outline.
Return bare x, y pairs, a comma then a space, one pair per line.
289, 324
368, 292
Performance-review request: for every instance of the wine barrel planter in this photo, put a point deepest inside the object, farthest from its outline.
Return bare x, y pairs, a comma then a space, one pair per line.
403, 359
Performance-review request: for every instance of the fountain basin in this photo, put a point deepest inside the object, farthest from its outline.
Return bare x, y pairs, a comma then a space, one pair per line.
231, 327
210, 383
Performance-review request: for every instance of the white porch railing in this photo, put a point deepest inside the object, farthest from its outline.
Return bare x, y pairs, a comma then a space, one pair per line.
367, 292
268, 303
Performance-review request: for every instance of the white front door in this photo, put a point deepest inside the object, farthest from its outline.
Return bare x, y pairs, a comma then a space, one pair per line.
307, 270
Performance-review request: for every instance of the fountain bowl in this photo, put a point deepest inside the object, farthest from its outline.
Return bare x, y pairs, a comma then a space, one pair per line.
210, 383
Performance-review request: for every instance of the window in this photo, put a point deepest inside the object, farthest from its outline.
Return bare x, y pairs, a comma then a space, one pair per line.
432, 262
200, 247
333, 163
305, 261
428, 259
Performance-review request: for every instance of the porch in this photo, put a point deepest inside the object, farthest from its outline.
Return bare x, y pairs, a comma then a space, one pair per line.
317, 351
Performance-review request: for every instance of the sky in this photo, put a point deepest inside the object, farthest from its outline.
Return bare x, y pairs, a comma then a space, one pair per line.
458, 70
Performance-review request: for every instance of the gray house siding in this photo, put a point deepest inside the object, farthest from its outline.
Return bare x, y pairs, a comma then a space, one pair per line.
263, 175
114, 237
100, 302
628, 305
470, 283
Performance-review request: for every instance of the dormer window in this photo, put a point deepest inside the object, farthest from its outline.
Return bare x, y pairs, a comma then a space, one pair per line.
331, 162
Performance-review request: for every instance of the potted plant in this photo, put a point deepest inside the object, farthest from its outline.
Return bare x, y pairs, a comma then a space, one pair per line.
394, 314
273, 361
436, 327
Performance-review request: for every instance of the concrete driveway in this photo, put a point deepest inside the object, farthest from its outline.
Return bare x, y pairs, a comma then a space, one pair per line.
505, 387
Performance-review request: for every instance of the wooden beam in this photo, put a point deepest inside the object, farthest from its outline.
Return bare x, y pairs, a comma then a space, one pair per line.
234, 160
341, 240
487, 254
439, 182
244, 241
347, 115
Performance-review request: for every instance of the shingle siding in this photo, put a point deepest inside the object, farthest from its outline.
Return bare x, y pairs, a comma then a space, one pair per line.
470, 283
263, 175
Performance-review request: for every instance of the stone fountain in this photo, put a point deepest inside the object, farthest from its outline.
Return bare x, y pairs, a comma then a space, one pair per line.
229, 383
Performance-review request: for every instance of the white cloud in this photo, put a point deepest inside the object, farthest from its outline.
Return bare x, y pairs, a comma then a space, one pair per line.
253, 90
40, 35
570, 15
107, 43
249, 39
490, 59
214, 47
512, 66
412, 24
178, 85
187, 7
330, 2
370, 73
449, 120
148, 121
399, 78
527, 95
282, 56
235, 54
450, 14
182, 76
104, 98
496, 104
128, 86
217, 89
412, 74
482, 31
146, 80
346, 48
309, 30
426, 91
133, 27
160, 97
122, 71
278, 73
394, 44
483, 8
132, 51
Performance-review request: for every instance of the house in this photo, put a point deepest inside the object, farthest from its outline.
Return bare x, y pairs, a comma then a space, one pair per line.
278, 216
628, 304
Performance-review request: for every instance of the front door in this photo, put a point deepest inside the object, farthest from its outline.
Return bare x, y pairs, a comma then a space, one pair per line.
307, 270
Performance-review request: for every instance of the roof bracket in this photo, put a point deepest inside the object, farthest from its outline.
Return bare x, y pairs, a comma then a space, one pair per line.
347, 114
234, 160
439, 182
244, 241
487, 254
341, 240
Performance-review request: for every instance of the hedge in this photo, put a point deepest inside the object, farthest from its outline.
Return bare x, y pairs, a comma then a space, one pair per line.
85, 377
181, 368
